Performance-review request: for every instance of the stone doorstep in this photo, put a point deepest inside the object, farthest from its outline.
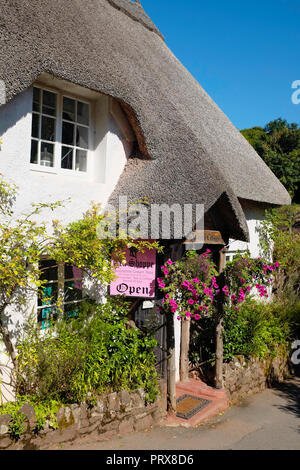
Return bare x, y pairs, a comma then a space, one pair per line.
219, 402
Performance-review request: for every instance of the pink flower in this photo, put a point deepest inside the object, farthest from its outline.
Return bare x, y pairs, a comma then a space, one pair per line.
201, 308
196, 280
169, 262
191, 302
188, 315
197, 317
179, 317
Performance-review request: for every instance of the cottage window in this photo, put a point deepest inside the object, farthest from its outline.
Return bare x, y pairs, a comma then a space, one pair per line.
64, 282
60, 136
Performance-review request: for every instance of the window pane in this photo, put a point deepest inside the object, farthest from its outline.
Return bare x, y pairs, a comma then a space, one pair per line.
67, 158
36, 100
48, 129
34, 152
71, 311
47, 154
49, 103
81, 160
49, 270
82, 137
73, 291
72, 272
68, 133
35, 125
69, 109
83, 110
45, 315
47, 295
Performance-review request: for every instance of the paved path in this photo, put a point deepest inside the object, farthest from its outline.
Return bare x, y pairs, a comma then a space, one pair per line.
266, 421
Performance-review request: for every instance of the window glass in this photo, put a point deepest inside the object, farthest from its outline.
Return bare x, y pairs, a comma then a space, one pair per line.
36, 100
67, 158
83, 113
35, 132
34, 152
68, 109
48, 128
82, 137
47, 154
49, 103
68, 133
81, 160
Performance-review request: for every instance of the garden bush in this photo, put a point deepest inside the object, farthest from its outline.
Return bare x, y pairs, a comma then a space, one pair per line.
257, 329
79, 359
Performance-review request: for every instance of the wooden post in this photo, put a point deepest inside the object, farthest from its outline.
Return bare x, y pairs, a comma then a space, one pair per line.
184, 350
171, 365
220, 327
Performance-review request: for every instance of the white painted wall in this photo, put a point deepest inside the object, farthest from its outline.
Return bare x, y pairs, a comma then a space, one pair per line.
255, 214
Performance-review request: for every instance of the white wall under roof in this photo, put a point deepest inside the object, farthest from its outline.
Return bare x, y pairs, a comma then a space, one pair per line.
255, 214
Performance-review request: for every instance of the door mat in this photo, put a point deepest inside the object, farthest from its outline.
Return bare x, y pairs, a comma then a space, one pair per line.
188, 406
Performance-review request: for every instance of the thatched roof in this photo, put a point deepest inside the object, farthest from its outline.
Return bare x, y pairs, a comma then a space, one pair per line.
189, 151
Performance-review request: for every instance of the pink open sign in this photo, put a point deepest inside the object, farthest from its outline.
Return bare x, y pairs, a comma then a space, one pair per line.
136, 278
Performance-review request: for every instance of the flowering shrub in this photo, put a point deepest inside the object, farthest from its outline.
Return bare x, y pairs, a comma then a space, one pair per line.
189, 285
192, 286
243, 275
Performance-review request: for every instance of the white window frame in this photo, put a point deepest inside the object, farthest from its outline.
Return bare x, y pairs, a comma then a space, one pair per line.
56, 169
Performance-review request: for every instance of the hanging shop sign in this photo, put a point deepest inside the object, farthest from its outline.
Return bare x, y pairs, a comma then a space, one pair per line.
136, 278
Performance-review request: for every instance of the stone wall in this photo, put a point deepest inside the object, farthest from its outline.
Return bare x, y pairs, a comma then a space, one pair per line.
243, 376
114, 414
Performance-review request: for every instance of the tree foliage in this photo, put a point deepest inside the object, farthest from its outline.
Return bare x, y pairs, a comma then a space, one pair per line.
278, 144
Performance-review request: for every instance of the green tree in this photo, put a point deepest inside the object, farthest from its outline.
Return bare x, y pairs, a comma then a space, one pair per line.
278, 144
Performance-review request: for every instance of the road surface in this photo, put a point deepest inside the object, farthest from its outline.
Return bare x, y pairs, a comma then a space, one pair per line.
266, 421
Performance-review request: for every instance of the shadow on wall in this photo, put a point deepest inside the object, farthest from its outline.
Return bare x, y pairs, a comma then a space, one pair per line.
13, 111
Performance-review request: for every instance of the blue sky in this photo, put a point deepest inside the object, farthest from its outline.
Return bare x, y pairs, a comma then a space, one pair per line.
244, 54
